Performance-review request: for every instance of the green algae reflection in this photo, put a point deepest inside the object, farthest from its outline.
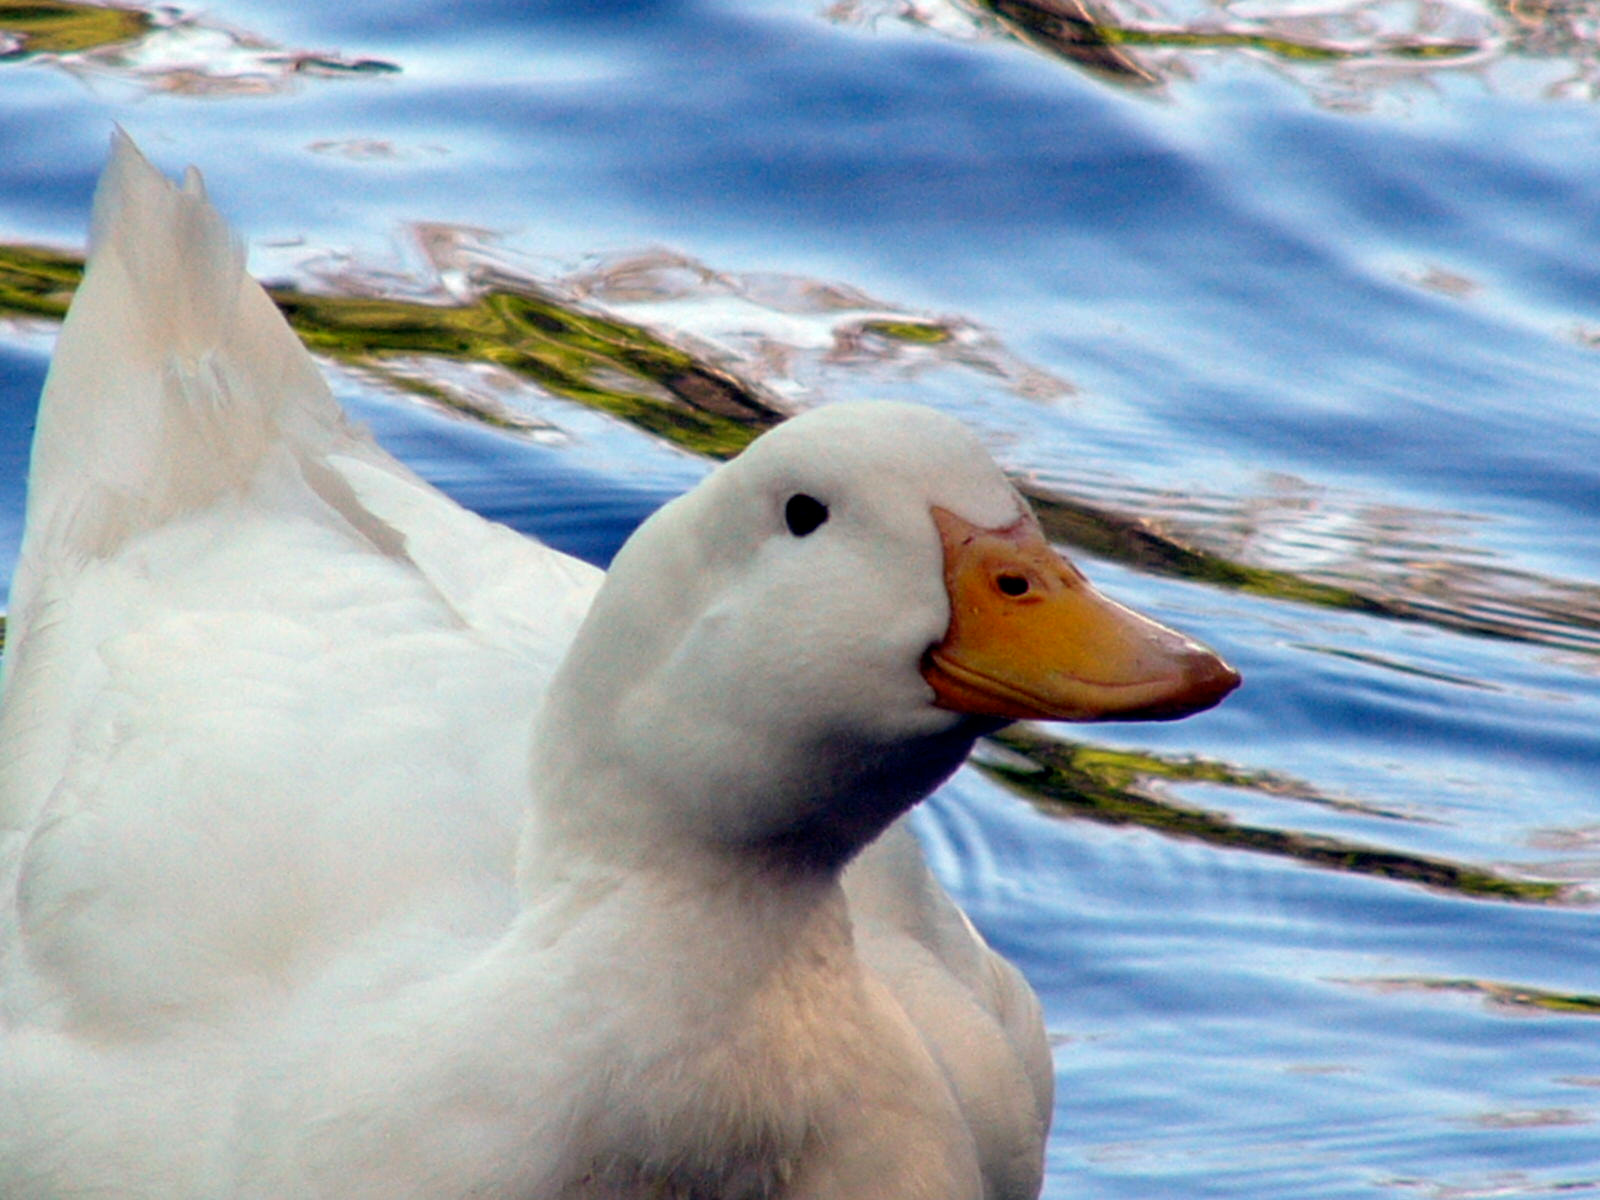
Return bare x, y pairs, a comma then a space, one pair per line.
1114, 787
1507, 997
1079, 32
54, 27
611, 365
640, 377
617, 367
37, 283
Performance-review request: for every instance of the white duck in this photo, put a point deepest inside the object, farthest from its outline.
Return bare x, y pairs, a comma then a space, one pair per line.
301, 900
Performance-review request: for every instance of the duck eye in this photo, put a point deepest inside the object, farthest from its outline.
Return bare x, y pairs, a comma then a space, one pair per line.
803, 514
1012, 585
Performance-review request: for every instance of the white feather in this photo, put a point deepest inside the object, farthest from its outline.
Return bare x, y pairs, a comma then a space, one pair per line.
299, 899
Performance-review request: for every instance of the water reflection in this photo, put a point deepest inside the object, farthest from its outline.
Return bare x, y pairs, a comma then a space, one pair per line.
706, 359
164, 49
53, 28
1347, 55
794, 334
1296, 541
1509, 998
1116, 787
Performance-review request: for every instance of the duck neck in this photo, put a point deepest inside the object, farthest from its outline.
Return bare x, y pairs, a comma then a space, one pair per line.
792, 820
742, 1034
719, 985
599, 821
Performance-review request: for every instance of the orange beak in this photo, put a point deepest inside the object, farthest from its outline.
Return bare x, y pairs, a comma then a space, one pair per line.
1030, 639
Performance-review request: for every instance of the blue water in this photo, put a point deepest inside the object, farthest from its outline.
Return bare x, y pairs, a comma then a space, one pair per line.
1325, 319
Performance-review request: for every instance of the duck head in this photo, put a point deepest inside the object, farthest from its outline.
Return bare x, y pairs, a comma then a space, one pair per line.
803, 646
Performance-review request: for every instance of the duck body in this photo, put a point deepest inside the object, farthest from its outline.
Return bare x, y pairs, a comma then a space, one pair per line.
352, 845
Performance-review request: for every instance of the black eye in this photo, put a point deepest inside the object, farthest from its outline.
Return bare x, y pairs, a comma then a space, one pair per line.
1012, 585
803, 514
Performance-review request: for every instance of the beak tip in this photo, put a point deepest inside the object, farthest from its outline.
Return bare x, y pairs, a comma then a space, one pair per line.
1207, 680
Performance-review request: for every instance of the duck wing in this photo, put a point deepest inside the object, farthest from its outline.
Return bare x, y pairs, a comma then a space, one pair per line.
266, 693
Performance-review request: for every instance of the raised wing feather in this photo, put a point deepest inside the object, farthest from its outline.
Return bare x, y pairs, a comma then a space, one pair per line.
219, 576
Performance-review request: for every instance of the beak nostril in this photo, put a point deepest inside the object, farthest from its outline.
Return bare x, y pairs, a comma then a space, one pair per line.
1029, 639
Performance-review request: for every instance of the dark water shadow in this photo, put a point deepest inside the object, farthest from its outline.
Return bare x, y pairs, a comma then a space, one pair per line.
1121, 787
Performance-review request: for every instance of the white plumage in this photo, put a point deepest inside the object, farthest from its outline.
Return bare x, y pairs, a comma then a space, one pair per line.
298, 898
